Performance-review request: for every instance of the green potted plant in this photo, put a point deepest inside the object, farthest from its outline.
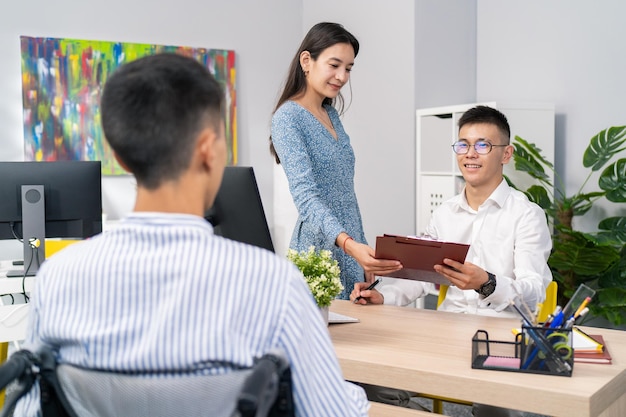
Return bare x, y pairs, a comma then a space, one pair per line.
597, 259
321, 272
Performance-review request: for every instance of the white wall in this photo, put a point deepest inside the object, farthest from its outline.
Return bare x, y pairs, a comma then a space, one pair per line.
414, 54
380, 120
262, 33
445, 54
569, 52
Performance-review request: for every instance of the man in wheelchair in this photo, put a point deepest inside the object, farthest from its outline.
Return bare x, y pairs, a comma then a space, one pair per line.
160, 295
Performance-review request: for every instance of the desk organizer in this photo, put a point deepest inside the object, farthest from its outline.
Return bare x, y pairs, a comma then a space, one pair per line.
536, 350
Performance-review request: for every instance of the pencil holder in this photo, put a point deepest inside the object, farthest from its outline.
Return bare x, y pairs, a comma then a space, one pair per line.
537, 350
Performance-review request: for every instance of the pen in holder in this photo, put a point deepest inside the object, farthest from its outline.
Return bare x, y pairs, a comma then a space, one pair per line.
547, 350
539, 348
579, 299
554, 354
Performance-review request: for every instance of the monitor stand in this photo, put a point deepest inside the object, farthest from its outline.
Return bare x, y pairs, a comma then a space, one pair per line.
33, 230
19, 273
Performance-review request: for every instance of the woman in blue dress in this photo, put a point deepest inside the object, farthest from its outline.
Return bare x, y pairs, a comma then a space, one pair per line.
309, 141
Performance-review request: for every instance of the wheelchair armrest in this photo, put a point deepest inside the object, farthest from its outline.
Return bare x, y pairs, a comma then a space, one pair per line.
267, 388
20, 367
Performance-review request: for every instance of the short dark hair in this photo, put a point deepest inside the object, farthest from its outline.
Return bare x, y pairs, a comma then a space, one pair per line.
488, 115
152, 111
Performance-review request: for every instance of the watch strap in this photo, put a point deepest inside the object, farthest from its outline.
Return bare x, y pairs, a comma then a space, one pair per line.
488, 287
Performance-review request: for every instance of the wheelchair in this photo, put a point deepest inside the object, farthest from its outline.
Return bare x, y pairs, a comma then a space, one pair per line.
264, 390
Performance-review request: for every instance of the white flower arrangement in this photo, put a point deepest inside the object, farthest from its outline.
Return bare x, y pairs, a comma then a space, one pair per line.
321, 272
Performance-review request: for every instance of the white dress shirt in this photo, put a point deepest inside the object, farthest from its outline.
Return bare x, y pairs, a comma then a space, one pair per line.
508, 236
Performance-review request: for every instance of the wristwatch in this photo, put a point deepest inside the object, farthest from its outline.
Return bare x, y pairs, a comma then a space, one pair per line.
488, 287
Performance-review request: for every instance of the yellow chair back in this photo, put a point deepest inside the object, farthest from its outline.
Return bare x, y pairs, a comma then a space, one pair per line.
544, 309
549, 304
55, 245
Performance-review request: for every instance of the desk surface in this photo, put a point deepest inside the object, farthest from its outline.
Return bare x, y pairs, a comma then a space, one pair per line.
430, 352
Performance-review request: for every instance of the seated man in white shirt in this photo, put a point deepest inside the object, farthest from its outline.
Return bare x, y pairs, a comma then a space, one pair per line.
508, 235
160, 291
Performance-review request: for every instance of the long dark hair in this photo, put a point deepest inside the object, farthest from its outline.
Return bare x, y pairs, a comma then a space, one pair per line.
320, 37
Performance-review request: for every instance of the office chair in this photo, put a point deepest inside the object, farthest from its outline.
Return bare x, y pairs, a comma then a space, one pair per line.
546, 308
70, 391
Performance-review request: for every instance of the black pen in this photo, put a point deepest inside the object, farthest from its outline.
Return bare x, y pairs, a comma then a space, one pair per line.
371, 287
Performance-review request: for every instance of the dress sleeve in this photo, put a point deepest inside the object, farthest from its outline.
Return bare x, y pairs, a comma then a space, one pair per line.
289, 136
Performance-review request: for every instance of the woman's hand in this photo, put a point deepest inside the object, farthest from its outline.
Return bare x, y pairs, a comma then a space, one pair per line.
364, 255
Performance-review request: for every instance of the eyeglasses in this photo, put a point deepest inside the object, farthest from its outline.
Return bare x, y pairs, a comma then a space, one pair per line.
481, 147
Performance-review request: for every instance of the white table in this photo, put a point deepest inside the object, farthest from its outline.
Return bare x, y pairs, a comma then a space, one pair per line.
13, 318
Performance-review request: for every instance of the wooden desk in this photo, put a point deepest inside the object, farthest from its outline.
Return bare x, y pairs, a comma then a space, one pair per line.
430, 352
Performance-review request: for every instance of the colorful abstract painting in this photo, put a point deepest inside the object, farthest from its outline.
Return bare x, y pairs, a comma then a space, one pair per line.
62, 81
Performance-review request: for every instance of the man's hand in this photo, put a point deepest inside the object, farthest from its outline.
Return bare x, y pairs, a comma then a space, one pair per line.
465, 276
367, 296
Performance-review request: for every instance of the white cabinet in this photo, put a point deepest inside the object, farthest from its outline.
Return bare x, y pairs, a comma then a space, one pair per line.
437, 175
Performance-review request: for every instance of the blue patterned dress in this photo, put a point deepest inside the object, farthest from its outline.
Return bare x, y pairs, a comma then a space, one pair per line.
320, 171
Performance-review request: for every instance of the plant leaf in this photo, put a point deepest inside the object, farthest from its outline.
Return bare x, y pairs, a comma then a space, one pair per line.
604, 146
613, 181
538, 195
616, 276
581, 203
579, 253
533, 150
616, 226
525, 162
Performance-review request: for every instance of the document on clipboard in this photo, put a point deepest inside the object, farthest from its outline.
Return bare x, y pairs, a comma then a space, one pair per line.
419, 256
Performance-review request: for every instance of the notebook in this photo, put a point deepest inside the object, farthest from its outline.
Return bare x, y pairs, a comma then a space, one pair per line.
335, 318
583, 342
601, 356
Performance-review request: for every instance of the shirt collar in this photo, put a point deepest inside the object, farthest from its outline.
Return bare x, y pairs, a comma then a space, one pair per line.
166, 219
497, 197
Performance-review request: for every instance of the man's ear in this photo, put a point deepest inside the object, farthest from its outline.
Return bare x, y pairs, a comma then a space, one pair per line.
206, 146
508, 154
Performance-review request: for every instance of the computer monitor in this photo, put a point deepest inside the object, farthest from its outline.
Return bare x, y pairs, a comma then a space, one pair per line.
38, 200
237, 212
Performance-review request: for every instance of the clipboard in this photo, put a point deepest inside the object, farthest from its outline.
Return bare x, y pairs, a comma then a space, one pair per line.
419, 256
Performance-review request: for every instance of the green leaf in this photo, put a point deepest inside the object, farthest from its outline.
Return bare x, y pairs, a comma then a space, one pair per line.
610, 302
538, 195
617, 225
579, 253
581, 203
533, 151
616, 276
604, 146
613, 181
525, 162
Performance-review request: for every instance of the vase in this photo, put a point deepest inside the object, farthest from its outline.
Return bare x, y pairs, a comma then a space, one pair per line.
324, 311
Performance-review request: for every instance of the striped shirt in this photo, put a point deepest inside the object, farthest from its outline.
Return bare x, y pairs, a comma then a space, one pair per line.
161, 292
